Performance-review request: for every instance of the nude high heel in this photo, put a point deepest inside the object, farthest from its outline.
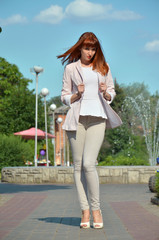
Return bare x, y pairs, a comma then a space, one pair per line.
98, 225
85, 224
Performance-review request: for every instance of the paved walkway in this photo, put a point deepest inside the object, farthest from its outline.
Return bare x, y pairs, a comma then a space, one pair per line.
51, 212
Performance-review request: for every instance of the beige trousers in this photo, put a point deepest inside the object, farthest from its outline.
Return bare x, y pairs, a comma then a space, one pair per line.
85, 145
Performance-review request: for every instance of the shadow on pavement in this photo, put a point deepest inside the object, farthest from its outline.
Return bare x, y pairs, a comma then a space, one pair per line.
73, 221
18, 188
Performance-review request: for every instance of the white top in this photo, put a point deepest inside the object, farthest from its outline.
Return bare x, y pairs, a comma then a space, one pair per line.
91, 104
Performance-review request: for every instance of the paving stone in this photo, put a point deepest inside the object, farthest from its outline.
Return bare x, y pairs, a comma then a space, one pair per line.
52, 212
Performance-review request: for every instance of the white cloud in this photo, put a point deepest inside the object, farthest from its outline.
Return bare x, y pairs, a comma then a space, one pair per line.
83, 9
52, 15
80, 10
152, 46
13, 20
125, 15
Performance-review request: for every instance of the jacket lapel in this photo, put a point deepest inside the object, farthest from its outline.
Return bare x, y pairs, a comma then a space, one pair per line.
79, 72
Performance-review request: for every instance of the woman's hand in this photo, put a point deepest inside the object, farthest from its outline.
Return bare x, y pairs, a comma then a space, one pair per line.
102, 87
80, 88
77, 95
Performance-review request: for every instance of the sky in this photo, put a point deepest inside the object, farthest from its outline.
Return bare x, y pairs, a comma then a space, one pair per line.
34, 32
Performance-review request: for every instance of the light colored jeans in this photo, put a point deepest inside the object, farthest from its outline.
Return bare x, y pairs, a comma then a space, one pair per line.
85, 145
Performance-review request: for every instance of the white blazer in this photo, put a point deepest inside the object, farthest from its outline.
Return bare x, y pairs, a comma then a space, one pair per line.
71, 79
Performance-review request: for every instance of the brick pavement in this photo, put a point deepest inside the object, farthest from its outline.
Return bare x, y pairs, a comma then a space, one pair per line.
52, 212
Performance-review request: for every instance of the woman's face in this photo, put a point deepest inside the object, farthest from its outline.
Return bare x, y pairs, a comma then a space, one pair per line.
87, 53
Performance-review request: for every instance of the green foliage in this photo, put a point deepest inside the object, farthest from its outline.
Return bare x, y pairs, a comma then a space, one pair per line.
118, 138
17, 102
121, 139
157, 184
56, 100
129, 113
122, 160
119, 99
124, 150
13, 151
10, 77
135, 89
51, 152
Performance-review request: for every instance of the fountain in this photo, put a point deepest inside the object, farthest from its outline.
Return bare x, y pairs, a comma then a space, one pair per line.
148, 116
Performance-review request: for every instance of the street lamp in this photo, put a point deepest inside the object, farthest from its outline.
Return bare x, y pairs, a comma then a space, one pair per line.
44, 93
52, 108
64, 152
59, 121
35, 71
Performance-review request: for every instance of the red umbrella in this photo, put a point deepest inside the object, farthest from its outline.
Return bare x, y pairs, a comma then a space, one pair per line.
30, 134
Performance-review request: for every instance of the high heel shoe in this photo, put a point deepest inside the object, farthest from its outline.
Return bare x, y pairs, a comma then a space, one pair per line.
98, 225
85, 224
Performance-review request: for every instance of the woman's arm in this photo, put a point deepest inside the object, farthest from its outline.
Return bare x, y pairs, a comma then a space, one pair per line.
107, 88
103, 89
110, 87
107, 96
67, 97
66, 92
78, 95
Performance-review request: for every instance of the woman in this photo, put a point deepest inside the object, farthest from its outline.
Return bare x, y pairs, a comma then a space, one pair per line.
88, 89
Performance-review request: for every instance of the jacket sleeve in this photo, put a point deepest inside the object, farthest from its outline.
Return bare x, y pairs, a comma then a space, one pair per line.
66, 92
110, 86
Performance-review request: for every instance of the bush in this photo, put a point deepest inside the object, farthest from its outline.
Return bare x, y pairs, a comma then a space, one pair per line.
157, 184
14, 151
122, 160
134, 152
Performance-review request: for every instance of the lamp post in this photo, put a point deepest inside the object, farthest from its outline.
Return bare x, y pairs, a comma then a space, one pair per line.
36, 70
64, 146
44, 93
59, 121
52, 108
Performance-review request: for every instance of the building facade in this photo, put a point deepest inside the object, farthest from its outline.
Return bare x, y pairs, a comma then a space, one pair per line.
61, 144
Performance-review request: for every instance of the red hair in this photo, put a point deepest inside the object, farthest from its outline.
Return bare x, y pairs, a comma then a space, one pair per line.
87, 39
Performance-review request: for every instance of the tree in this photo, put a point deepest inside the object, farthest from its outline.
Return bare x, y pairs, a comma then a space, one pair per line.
14, 151
119, 99
56, 100
17, 111
135, 89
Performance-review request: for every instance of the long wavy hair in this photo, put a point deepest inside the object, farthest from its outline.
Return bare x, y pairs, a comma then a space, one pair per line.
87, 39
